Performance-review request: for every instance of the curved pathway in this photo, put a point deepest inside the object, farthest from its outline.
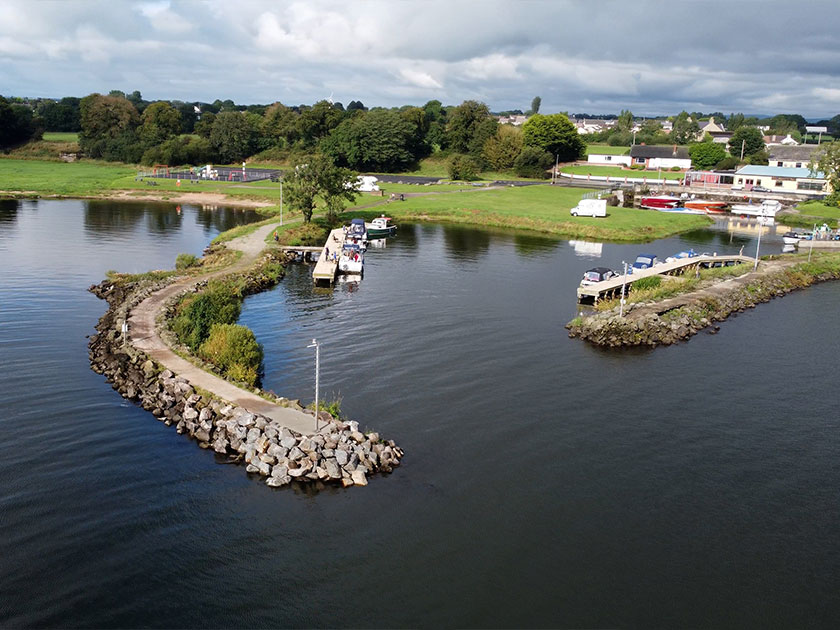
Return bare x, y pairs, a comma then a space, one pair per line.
144, 336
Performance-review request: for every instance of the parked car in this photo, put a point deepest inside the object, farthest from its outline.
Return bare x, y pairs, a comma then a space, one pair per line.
597, 274
760, 189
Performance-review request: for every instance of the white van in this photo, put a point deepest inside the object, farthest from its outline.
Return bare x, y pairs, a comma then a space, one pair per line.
590, 208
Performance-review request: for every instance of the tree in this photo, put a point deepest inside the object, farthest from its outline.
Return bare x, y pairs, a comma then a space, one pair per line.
685, 129
109, 126
705, 155
463, 123
377, 141
734, 122
625, 120
356, 105
62, 116
749, 139
17, 125
501, 150
533, 162
280, 125
315, 123
233, 136
316, 176
161, 121
555, 134
462, 167
535, 105
827, 162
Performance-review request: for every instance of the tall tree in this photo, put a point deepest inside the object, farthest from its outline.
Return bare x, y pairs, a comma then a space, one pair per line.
555, 134
535, 105
463, 124
685, 129
17, 125
317, 177
234, 135
827, 161
625, 120
501, 150
316, 122
706, 154
160, 121
747, 139
109, 126
380, 140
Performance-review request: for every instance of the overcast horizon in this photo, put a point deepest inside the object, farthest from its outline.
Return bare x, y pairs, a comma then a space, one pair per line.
752, 56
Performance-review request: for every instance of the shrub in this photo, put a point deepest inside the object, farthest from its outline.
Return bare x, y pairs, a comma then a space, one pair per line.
727, 164
185, 261
650, 282
220, 303
637, 167
462, 167
533, 162
676, 168
234, 350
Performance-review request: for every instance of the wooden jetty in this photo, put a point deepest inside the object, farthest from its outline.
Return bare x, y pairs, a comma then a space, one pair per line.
612, 288
327, 265
804, 245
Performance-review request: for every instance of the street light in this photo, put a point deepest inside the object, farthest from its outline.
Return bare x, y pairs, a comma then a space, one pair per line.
758, 244
317, 347
623, 284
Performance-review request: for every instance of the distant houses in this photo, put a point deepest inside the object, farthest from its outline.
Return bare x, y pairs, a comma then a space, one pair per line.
656, 157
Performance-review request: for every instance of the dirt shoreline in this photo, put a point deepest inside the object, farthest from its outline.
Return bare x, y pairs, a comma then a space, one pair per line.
164, 196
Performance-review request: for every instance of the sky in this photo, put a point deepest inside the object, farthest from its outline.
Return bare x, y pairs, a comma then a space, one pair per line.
651, 57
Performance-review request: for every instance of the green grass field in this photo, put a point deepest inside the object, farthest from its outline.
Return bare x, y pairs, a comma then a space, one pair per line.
812, 212
542, 209
615, 171
60, 178
605, 149
61, 136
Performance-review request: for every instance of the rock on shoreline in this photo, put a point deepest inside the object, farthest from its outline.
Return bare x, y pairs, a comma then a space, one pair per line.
340, 454
677, 319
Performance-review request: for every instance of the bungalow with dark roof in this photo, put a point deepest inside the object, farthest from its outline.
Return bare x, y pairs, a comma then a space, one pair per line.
655, 157
791, 156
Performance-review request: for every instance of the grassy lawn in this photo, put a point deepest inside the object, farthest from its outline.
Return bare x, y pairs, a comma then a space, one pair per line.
543, 209
812, 212
616, 171
60, 178
61, 136
605, 149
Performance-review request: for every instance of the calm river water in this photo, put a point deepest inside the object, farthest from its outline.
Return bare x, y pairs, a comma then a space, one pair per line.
545, 483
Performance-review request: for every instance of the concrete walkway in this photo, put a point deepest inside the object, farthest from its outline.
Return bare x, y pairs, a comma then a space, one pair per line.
143, 335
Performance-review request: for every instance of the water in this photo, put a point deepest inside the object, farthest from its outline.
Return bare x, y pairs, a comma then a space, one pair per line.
546, 482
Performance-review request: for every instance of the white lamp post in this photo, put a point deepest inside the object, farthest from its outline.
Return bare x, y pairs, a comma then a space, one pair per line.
758, 244
623, 285
317, 347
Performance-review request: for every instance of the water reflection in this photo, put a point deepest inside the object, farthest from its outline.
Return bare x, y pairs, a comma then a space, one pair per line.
103, 218
587, 249
8, 212
466, 244
528, 244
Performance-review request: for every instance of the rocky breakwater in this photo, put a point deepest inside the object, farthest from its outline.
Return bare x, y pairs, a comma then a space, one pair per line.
675, 319
338, 453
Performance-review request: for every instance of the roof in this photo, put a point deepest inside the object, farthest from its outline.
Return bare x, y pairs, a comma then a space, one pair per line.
779, 171
667, 151
802, 153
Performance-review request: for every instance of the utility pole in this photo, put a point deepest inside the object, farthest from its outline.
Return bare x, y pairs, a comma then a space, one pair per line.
317, 347
743, 145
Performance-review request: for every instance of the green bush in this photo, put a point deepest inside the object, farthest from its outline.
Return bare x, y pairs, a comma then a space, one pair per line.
675, 168
650, 282
234, 350
533, 162
196, 314
637, 167
462, 167
185, 261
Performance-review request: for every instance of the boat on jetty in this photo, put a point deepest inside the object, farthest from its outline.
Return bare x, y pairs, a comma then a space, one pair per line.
657, 202
352, 259
706, 205
681, 210
767, 208
380, 227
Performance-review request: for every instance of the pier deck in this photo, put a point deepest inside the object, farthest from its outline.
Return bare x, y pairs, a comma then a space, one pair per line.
326, 268
612, 287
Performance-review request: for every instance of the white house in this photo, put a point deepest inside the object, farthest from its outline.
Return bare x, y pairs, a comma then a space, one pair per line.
656, 157
608, 159
781, 179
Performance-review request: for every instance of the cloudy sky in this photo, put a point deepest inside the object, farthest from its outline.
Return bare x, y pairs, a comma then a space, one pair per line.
653, 57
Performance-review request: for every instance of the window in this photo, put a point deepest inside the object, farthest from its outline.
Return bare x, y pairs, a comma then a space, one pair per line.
809, 185
778, 182
640, 160
779, 163
740, 180
799, 165
609, 158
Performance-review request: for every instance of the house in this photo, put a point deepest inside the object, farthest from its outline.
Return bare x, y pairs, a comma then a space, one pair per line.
515, 120
720, 137
783, 140
709, 126
656, 157
608, 159
782, 179
791, 156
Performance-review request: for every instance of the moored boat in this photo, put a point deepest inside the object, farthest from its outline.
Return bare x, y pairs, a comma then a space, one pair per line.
767, 208
659, 201
352, 260
706, 205
791, 238
680, 210
380, 227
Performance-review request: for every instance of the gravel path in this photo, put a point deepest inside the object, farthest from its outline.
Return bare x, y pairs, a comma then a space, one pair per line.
143, 335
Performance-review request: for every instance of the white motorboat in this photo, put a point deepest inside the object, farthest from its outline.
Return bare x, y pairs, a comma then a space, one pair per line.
352, 259
767, 208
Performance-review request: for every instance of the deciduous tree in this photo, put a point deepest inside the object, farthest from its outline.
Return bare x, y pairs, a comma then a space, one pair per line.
317, 177
705, 155
555, 134
749, 139
501, 150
